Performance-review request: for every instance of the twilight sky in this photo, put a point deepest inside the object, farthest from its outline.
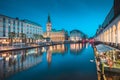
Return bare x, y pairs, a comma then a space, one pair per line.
84, 15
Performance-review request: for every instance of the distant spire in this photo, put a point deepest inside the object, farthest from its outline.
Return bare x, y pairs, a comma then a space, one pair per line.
49, 21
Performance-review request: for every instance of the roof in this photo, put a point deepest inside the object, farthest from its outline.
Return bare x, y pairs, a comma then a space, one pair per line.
75, 30
31, 22
54, 30
9, 17
24, 20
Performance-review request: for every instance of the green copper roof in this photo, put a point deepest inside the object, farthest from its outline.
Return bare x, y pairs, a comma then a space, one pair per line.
49, 21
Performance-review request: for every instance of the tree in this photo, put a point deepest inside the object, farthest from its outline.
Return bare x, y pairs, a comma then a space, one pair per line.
41, 37
37, 36
23, 37
11, 35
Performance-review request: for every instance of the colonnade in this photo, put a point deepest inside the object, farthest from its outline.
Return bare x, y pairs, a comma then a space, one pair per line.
111, 34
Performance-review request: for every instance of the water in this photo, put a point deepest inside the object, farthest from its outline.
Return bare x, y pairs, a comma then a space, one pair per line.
112, 76
59, 62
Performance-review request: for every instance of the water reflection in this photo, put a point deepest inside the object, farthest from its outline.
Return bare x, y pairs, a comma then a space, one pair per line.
77, 47
49, 57
112, 77
15, 61
58, 48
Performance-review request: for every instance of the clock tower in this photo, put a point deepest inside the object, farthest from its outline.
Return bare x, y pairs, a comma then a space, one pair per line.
48, 26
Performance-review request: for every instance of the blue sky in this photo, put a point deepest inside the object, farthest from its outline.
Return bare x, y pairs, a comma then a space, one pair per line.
84, 15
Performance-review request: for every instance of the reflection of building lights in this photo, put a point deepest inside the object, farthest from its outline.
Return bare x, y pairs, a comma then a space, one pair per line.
15, 56
80, 46
49, 56
72, 46
7, 58
63, 47
43, 49
75, 46
50, 48
57, 48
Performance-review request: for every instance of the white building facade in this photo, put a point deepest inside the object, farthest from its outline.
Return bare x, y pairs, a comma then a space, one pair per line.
18, 27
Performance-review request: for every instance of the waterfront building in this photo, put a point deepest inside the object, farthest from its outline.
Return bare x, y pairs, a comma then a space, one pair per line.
53, 34
109, 31
76, 35
31, 30
17, 29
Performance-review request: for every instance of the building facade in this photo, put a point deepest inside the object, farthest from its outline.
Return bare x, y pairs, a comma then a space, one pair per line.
54, 35
76, 35
15, 28
109, 31
31, 29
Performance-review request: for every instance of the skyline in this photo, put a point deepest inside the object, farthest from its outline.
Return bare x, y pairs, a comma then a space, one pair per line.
64, 14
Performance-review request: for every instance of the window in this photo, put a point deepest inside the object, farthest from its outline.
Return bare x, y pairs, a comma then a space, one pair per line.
9, 23
21, 27
14, 26
18, 28
4, 27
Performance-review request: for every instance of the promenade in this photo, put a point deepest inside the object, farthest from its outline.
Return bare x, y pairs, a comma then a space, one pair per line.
29, 46
107, 60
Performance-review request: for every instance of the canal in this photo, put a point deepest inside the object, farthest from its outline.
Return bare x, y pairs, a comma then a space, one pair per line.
58, 62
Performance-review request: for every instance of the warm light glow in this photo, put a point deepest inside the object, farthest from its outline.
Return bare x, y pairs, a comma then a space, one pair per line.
118, 36
7, 58
4, 55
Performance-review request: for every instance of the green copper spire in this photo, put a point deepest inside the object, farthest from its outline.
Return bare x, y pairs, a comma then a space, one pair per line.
49, 21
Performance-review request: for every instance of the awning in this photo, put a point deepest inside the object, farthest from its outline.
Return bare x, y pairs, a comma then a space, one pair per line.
103, 48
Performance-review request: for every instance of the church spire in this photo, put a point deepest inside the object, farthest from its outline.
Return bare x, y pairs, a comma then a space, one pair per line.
48, 26
49, 21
